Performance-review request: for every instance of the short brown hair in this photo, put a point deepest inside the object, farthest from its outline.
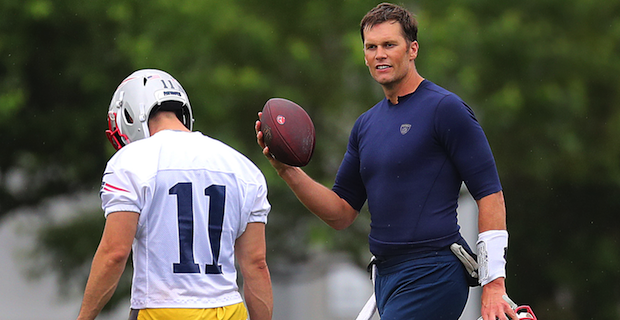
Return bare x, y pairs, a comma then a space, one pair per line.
391, 12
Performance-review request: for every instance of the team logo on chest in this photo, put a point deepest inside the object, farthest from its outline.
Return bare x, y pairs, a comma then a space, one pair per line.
404, 128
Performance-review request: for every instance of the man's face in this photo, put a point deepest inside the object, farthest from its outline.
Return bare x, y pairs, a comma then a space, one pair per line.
386, 52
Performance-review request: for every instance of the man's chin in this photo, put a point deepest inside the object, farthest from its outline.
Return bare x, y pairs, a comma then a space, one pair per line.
385, 81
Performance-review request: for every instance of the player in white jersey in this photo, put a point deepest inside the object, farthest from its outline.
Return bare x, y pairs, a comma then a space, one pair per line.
186, 205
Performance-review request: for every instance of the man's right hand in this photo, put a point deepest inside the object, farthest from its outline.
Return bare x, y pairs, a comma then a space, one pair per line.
279, 166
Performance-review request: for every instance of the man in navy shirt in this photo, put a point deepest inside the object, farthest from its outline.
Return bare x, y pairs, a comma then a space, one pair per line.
407, 156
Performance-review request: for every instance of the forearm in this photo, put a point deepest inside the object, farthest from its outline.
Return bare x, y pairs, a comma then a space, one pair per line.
102, 282
492, 217
105, 273
258, 294
492, 239
492, 212
109, 262
320, 200
250, 250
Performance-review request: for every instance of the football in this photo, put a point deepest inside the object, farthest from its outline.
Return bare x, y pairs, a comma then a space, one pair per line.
288, 131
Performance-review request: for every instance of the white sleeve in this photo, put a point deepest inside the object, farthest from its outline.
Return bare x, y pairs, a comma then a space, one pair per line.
260, 206
119, 192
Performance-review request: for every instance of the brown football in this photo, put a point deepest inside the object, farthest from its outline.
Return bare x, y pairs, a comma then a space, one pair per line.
288, 131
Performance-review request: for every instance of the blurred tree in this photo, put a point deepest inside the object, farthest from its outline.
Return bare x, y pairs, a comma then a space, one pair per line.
57, 65
58, 61
542, 77
231, 57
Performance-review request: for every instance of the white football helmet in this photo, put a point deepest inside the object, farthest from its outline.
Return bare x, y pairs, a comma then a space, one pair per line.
141, 93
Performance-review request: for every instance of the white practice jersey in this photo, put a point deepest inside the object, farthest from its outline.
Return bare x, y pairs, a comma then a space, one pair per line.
195, 196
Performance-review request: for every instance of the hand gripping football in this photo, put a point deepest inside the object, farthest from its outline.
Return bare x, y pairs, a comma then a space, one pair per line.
288, 131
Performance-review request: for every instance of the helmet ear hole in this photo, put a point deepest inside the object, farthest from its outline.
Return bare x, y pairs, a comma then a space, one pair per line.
128, 117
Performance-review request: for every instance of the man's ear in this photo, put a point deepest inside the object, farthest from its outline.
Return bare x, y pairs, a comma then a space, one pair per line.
413, 50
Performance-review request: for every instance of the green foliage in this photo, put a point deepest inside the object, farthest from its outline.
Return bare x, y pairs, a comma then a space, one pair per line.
542, 77
57, 65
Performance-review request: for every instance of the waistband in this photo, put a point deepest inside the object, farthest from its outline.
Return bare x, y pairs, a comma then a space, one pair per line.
390, 261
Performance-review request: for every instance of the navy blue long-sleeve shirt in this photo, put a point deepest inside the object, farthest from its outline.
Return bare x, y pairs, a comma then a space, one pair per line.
408, 160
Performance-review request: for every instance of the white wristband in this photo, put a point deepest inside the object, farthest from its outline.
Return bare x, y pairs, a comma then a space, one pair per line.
492, 246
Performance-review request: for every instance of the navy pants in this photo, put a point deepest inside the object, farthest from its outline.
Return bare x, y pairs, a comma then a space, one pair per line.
431, 286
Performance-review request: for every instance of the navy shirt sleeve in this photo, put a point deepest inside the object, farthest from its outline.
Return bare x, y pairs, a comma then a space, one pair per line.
467, 146
349, 173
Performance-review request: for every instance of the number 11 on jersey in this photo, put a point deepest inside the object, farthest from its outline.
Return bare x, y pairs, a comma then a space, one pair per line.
185, 210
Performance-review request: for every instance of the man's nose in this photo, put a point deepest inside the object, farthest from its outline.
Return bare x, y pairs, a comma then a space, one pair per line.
381, 53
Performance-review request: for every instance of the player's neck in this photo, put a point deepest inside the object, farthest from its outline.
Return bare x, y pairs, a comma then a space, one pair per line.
403, 88
165, 121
